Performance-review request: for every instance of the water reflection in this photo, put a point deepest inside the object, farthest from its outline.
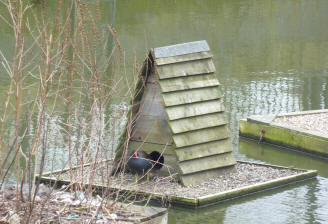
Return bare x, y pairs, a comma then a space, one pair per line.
294, 205
85, 138
271, 56
273, 95
245, 36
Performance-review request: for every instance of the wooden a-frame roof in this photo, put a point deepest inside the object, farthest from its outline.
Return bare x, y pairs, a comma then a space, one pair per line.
178, 109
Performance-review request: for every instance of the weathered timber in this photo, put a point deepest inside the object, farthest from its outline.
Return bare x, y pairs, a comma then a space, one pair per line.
151, 124
183, 58
288, 136
191, 96
181, 49
151, 102
194, 109
192, 101
138, 92
203, 150
200, 136
207, 163
151, 129
189, 68
180, 108
149, 147
190, 82
198, 122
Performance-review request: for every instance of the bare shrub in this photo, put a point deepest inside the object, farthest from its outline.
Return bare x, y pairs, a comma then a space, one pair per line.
67, 120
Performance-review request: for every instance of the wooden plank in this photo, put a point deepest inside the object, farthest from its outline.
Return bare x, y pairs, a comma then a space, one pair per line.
189, 82
180, 49
188, 68
152, 129
183, 58
152, 123
198, 122
147, 71
191, 96
152, 78
203, 150
137, 95
289, 137
148, 147
199, 177
194, 109
200, 136
151, 102
207, 163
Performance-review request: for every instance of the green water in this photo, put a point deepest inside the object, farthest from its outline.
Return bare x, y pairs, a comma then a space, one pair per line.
271, 57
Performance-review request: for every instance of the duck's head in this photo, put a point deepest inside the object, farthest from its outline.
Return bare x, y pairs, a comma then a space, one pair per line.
135, 154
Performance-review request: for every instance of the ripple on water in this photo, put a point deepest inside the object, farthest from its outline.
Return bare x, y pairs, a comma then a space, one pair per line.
302, 204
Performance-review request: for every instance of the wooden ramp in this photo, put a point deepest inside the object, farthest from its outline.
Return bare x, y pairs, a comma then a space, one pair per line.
178, 108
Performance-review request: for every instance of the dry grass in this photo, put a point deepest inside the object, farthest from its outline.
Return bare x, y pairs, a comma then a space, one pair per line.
74, 72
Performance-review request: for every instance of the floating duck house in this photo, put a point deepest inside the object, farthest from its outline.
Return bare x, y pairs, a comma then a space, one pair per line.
177, 109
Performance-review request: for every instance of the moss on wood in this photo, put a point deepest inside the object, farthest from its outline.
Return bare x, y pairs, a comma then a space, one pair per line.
285, 137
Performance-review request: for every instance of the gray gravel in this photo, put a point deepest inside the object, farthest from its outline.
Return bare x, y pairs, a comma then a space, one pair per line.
312, 122
243, 174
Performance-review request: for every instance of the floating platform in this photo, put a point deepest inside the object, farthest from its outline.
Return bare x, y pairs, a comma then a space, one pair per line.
177, 109
247, 178
303, 131
146, 215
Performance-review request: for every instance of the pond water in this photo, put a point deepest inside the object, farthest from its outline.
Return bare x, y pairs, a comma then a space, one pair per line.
271, 57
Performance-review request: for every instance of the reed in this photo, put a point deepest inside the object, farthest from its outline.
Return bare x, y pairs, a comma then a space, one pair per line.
75, 73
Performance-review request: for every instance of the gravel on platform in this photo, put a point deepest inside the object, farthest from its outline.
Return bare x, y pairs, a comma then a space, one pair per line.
313, 122
243, 174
